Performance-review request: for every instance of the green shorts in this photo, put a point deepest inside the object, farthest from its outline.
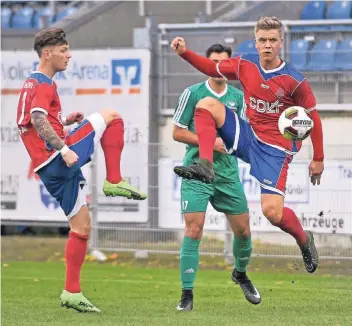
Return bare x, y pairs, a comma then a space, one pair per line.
225, 197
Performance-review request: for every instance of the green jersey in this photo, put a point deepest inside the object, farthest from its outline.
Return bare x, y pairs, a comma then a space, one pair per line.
225, 166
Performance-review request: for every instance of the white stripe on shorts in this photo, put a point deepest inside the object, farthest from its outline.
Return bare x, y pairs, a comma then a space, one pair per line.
272, 189
81, 201
237, 134
99, 125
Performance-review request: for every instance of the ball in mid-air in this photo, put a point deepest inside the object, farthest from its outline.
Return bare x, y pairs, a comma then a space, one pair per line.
295, 123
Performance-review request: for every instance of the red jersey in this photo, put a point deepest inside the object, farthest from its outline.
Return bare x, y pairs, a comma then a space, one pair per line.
39, 93
267, 94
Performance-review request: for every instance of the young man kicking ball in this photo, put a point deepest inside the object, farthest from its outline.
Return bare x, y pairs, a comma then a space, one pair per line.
270, 86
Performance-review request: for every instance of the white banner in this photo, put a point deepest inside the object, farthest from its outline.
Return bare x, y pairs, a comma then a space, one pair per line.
117, 79
323, 209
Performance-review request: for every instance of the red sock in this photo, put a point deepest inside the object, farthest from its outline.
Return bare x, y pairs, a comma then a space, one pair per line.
112, 143
76, 248
206, 132
290, 224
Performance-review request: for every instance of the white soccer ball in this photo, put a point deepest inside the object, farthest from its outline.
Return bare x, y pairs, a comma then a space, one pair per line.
295, 123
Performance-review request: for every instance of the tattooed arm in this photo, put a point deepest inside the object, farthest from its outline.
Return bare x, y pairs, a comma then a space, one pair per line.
46, 131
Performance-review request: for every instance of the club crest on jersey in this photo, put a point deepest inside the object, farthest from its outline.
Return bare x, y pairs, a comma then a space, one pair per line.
232, 105
280, 92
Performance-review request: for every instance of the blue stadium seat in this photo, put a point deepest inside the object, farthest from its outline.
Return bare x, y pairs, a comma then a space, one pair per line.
299, 54
5, 17
23, 18
343, 57
45, 11
246, 47
340, 10
65, 12
313, 10
322, 56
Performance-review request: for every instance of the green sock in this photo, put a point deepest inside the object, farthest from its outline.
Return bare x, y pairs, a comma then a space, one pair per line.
242, 250
189, 262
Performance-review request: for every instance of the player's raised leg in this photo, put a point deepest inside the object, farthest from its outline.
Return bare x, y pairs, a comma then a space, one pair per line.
112, 142
286, 219
76, 248
209, 115
242, 250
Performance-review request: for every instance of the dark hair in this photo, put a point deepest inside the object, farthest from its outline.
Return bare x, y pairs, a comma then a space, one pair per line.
218, 48
49, 37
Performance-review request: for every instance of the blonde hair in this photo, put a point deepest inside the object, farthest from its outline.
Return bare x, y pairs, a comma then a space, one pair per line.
267, 23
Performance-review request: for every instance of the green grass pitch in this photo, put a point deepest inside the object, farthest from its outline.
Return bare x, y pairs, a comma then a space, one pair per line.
137, 295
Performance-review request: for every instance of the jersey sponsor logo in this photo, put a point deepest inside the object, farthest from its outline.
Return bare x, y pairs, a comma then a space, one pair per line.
126, 76
265, 107
280, 93
264, 86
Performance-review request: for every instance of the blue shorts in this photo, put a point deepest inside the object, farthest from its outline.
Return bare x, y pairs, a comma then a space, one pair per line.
65, 183
269, 165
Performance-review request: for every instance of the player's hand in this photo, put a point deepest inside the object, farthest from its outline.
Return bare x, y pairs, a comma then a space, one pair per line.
70, 158
74, 117
219, 146
178, 44
315, 171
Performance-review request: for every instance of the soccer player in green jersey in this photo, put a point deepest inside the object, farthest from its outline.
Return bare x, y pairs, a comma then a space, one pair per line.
226, 194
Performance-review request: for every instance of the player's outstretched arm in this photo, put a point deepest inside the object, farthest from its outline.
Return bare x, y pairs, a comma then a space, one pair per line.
47, 132
204, 64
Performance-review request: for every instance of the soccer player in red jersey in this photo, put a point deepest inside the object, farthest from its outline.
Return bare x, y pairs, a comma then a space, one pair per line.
270, 86
58, 159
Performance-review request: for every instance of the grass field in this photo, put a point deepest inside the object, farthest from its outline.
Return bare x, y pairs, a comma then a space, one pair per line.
137, 295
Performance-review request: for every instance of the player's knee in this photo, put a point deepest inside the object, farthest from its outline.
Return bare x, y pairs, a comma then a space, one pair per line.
83, 228
86, 227
244, 232
109, 115
272, 213
194, 230
80, 223
209, 104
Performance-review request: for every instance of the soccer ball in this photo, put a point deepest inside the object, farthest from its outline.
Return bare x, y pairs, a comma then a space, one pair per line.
295, 123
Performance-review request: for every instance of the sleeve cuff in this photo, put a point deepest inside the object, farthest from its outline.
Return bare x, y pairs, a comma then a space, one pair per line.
40, 110
179, 124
